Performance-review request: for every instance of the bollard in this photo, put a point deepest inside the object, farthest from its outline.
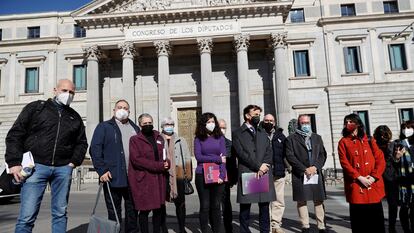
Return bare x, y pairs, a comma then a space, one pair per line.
78, 181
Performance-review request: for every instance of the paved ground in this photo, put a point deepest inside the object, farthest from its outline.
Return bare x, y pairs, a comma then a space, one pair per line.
81, 204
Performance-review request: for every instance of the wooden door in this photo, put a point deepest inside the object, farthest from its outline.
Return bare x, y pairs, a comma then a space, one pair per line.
187, 122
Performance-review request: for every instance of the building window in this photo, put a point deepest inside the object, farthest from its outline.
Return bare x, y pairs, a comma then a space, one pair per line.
397, 57
79, 32
390, 7
297, 16
365, 120
352, 60
32, 80
79, 77
406, 114
348, 10
33, 32
301, 62
1, 34
313, 122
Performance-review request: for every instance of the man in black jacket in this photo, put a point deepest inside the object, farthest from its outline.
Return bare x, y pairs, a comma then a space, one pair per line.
55, 135
277, 140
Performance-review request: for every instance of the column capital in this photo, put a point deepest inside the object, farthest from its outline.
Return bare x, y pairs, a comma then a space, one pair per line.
93, 53
205, 44
162, 47
127, 50
241, 42
278, 40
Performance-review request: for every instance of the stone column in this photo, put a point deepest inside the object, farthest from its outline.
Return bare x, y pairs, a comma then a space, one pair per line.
205, 46
241, 44
128, 79
282, 85
92, 106
163, 49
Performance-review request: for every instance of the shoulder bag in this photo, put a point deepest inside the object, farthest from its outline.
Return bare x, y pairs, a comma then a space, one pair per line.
103, 225
188, 188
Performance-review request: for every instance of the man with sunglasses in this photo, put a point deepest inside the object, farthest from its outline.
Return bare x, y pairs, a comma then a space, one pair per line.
55, 135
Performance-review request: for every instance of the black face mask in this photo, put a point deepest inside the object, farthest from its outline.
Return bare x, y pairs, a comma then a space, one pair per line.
267, 126
147, 129
255, 121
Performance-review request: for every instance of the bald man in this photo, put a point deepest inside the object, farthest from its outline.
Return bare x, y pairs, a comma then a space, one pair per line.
55, 135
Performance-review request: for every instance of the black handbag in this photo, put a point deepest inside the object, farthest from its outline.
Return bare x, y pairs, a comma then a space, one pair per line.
188, 187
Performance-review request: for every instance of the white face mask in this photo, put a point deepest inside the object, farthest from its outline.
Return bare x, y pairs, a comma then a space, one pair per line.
210, 126
64, 98
121, 114
408, 132
223, 131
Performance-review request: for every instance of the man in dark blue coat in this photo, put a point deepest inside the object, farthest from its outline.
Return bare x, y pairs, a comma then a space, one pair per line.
110, 156
277, 140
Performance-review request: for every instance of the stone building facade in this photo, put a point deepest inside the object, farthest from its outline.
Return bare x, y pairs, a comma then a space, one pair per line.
182, 57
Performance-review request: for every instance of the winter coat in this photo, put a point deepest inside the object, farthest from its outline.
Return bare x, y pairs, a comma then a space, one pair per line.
297, 156
107, 152
55, 138
251, 152
181, 148
359, 157
146, 176
278, 146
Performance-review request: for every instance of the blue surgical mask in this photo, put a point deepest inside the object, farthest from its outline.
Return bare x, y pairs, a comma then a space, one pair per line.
169, 130
306, 128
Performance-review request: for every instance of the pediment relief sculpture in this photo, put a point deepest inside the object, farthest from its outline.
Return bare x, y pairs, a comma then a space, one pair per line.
148, 5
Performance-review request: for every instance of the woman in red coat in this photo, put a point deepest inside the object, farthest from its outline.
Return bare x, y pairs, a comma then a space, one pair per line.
147, 173
363, 164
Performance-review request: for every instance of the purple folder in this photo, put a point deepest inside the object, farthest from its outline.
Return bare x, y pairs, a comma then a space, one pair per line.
250, 184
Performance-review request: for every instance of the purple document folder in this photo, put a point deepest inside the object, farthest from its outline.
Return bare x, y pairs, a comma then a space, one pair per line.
250, 184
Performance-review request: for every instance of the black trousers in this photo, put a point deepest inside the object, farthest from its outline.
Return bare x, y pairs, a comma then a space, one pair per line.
180, 210
118, 194
227, 210
391, 192
367, 218
156, 220
264, 217
210, 201
407, 217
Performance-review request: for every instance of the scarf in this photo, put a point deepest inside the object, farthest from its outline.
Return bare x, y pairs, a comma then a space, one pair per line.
169, 144
308, 142
406, 170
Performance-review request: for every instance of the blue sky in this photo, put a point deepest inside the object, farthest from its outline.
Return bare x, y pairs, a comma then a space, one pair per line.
32, 6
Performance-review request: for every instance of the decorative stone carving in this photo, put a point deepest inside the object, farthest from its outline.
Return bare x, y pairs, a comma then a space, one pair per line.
241, 42
147, 5
93, 53
205, 45
162, 47
127, 49
278, 40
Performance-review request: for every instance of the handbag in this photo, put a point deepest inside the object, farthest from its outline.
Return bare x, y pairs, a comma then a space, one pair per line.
188, 187
103, 225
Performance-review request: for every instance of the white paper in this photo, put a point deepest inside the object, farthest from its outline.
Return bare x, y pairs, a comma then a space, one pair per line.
313, 179
27, 161
164, 154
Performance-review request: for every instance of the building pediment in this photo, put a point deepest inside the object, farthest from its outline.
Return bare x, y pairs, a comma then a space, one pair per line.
99, 13
126, 6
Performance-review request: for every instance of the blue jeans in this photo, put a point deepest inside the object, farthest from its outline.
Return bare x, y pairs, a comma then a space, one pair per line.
32, 193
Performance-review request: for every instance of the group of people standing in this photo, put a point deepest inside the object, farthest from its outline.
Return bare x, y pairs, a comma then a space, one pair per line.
377, 167
145, 168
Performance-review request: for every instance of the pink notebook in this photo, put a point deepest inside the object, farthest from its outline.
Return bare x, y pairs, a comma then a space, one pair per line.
211, 173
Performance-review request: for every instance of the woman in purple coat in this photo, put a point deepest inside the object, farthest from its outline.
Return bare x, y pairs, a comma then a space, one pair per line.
147, 172
209, 147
